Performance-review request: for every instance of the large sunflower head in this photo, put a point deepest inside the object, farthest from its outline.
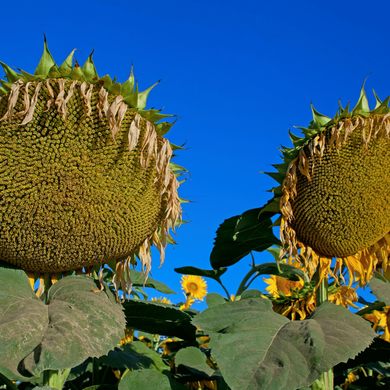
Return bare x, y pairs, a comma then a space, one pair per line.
334, 192
85, 172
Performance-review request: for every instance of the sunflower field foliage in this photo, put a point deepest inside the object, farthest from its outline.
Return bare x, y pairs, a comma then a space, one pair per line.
74, 313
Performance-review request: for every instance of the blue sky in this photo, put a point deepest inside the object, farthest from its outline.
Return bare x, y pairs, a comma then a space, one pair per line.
239, 74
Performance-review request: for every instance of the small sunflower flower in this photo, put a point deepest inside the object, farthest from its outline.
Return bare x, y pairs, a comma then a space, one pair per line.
195, 286
129, 336
381, 319
162, 300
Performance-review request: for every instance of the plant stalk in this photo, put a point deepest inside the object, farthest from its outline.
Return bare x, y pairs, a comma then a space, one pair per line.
325, 381
55, 378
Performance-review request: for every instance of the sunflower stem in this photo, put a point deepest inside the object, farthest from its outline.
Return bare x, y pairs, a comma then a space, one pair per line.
243, 285
325, 381
226, 291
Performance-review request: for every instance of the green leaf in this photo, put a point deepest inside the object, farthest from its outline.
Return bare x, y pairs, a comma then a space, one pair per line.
134, 356
288, 271
139, 281
212, 273
148, 379
239, 235
214, 299
76, 323
44, 388
194, 360
247, 294
158, 318
89, 69
258, 349
46, 61
381, 290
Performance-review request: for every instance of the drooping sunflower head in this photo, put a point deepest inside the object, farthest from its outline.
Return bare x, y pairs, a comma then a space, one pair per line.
334, 192
194, 286
85, 173
297, 300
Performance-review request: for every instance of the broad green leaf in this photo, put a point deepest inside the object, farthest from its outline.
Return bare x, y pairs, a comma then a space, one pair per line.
134, 356
381, 290
76, 323
239, 235
194, 360
21, 314
158, 318
207, 273
147, 379
43, 388
258, 349
101, 387
252, 294
214, 299
85, 367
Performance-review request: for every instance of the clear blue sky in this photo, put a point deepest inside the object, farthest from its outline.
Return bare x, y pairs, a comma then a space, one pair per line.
239, 74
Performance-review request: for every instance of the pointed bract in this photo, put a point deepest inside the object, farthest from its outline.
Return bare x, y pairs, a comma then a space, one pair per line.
54, 72
163, 127
143, 96
67, 66
132, 99
105, 81
46, 62
11, 75
77, 73
127, 88
319, 120
89, 69
362, 106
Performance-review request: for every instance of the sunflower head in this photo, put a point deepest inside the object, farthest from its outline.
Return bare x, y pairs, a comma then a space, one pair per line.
194, 286
334, 192
85, 173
